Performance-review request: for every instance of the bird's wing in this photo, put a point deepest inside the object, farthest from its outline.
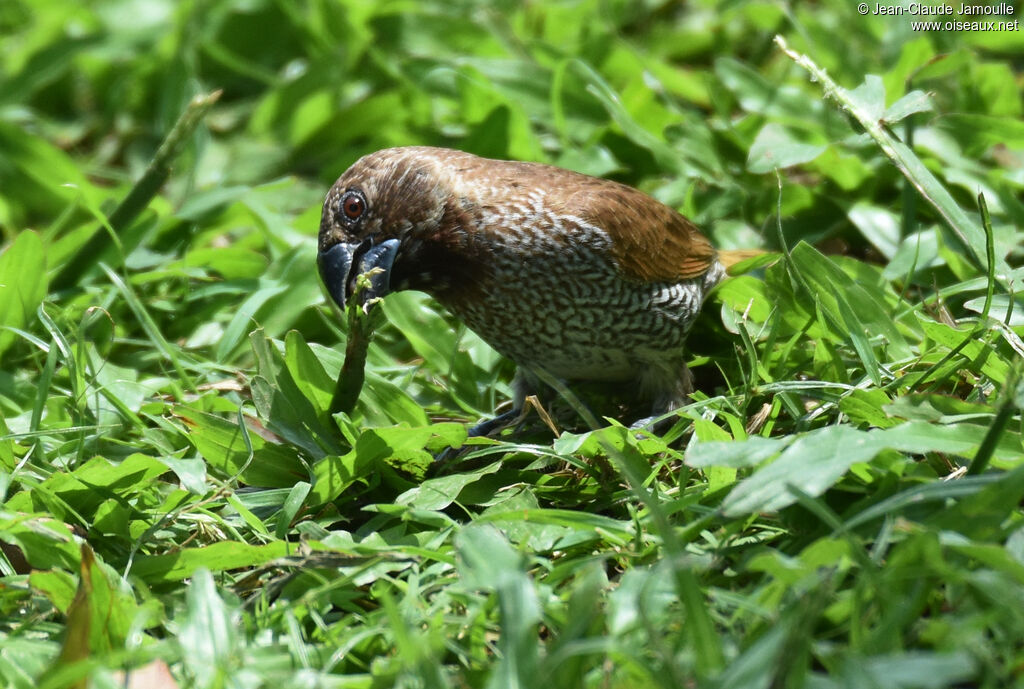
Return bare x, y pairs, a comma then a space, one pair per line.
650, 241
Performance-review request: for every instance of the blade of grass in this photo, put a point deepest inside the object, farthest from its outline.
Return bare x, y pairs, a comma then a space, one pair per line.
292, 504
999, 423
981, 325
75, 378
157, 172
43, 387
990, 257
152, 329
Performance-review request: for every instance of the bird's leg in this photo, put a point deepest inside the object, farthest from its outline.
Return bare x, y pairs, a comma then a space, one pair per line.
522, 385
478, 430
653, 423
666, 398
488, 426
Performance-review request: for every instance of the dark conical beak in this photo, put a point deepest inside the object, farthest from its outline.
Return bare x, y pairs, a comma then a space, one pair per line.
343, 263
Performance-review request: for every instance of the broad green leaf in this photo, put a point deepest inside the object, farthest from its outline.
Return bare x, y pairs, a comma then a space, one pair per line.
204, 202
231, 262
83, 489
45, 542
911, 103
744, 296
735, 454
191, 472
813, 462
878, 225
914, 670
208, 637
938, 409
589, 524
960, 439
866, 406
1001, 307
857, 307
438, 493
296, 497
981, 356
759, 95
424, 328
383, 402
508, 513
81, 632
57, 585
22, 285
100, 616
916, 253
333, 474
282, 405
869, 97
216, 557
598, 87
307, 371
775, 149
226, 448
918, 437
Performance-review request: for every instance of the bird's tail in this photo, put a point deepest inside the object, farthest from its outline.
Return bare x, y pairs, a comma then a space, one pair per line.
731, 257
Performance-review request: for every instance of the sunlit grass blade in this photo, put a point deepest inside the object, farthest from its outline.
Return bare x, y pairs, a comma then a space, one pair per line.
966, 230
147, 187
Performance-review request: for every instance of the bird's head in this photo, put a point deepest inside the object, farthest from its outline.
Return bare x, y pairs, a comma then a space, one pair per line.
379, 214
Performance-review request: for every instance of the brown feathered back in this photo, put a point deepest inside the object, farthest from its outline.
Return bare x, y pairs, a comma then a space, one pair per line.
651, 242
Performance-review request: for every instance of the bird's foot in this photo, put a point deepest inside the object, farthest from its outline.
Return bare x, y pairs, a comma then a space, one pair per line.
655, 423
479, 430
488, 426
642, 424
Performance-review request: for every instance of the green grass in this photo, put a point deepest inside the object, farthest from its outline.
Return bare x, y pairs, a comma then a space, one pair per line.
839, 507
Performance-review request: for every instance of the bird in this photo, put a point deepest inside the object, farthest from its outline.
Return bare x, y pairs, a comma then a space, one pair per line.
584, 278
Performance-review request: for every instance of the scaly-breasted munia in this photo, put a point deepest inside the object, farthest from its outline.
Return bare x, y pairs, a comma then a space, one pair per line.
587, 278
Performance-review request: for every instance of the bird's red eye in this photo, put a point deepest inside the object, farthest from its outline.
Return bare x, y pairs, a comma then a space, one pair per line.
352, 206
